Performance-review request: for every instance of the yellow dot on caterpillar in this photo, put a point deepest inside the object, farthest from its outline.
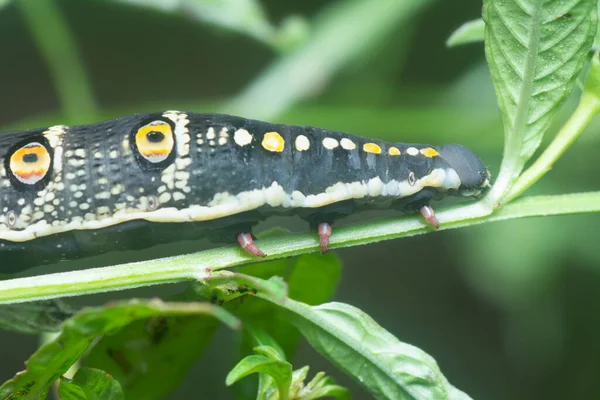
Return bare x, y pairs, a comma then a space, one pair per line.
412, 151
242, 137
393, 151
273, 141
330, 143
372, 148
429, 152
347, 144
302, 143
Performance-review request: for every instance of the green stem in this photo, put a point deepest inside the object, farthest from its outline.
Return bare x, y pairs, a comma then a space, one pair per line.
200, 266
588, 107
340, 36
51, 34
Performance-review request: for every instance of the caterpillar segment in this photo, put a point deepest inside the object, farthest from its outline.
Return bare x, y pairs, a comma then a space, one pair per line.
139, 180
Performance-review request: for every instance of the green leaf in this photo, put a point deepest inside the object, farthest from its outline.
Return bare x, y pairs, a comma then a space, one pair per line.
469, 32
277, 381
535, 51
320, 386
280, 371
90, 384
386, 367
151, 357
271, 352
259, 337
54, 358
229, 285
311, 278
35, 317
314, 278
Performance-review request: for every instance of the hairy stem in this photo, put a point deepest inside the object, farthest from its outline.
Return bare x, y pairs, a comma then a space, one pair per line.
201, 265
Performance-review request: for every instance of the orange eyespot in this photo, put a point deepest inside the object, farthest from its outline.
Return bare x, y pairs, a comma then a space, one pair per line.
155, 141
30, 163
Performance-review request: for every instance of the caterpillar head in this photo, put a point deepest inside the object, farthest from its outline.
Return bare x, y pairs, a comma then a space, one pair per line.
474, 176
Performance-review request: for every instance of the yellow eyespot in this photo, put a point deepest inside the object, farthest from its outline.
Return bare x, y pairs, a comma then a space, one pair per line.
372, 148
30, 163
273, 141
155, 141
429, 152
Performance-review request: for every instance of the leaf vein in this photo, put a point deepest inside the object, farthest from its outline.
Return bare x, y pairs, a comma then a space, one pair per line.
559, 66
505, 55
502, 18
559, 38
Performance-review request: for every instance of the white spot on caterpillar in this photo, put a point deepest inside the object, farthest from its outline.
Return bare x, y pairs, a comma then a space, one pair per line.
117, 189
54, 134
182, 135
183, 175
412, 151
242, 137
274, 195
302, 143
330, 143
183, 163
347, 144
76, 162
374, 187
452, 180
164, 198
210, 134
177, 196
357, 190
125, 146
102, 195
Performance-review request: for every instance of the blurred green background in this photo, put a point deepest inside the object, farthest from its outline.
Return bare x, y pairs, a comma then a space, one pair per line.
509, 310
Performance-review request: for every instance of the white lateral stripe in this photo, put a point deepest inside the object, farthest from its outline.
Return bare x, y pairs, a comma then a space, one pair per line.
225, 204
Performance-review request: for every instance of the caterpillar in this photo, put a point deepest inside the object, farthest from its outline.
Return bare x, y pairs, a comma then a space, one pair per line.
139, 180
